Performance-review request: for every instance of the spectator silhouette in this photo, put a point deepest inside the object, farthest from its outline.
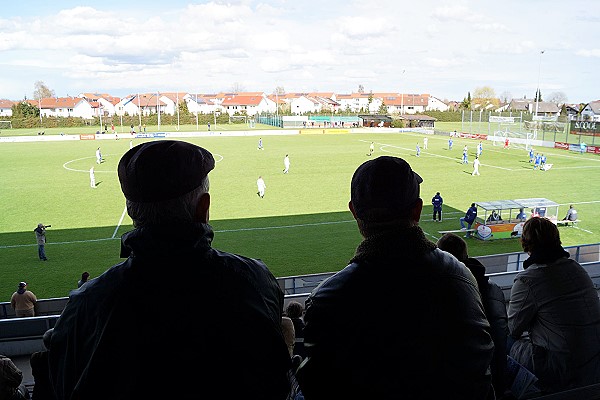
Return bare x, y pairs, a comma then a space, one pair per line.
39, 369
554, 313
295, 311
11, 381
367, 338
287, 326
23, 301
493, 304
571, 214
84, 278
219, 330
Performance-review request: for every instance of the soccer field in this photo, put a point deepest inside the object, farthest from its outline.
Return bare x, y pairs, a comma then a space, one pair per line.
301, 226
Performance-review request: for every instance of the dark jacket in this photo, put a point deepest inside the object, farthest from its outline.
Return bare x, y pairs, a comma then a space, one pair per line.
495, 309
554, 299
437, 202
471, 214
403, 320
176, 313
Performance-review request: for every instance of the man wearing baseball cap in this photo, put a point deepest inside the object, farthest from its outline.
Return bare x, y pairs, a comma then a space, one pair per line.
23, 301
403, 319
177, 310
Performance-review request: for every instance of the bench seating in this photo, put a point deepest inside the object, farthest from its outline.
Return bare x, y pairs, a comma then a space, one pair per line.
458, 230
566, 222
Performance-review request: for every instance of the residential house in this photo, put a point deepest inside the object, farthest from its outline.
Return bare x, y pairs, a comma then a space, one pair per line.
544, 109
201, 103
171, 99
247, 104
436, 104
359, 102
520, 104
304, 104
144, 103
591, 111
6, 108
106, 102
64, 107
314, 104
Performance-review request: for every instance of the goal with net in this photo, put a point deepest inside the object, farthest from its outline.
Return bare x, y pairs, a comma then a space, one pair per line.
5, 125
510, 128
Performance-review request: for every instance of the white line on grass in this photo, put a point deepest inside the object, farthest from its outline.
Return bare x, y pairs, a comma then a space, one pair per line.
256, 229
120, 222
284, 226
217, 157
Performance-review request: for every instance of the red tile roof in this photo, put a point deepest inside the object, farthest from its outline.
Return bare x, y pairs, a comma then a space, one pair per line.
242, 101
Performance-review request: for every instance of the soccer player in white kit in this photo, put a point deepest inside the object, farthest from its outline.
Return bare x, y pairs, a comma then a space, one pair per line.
286, 164
260, 183
476, 165
92, 178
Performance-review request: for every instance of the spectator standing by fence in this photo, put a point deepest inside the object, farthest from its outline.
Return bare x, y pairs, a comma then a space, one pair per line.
23, 301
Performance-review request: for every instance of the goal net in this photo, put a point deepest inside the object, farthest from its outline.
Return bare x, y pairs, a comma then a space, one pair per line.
510, 128
238, 119
5, 125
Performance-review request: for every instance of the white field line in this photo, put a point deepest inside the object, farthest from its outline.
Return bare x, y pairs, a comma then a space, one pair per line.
259, 229
120, 222
217, 157
383, 147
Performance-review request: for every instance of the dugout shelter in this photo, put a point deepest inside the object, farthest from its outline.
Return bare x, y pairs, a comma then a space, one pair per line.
498, 219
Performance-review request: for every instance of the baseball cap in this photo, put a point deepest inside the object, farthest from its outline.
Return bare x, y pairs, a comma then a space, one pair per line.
384, 188
22, 284
163, 170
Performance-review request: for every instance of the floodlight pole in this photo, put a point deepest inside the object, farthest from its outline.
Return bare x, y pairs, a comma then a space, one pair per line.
158, 108
402, 96
537, 94
537, 97
177, 111
40, 104
139, 111
197, 129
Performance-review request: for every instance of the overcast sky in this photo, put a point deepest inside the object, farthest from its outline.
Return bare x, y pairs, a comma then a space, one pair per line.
444, 48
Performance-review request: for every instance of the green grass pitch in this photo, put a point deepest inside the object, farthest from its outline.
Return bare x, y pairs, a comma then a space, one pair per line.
301, 226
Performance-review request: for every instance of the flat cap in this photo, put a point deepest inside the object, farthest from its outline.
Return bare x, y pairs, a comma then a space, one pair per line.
163, 170
384, 188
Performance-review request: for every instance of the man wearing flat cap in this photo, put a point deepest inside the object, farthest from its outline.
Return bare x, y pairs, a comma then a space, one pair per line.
403, 319
176, 312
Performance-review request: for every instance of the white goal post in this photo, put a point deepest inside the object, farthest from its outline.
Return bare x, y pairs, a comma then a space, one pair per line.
510, 128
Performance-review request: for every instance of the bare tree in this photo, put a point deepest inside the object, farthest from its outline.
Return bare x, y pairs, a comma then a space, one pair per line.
558, 98
361, 89
42, 91
506, 97
279, 90
237, 87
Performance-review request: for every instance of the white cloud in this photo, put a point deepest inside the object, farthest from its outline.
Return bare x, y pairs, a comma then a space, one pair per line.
588, 52
447, 47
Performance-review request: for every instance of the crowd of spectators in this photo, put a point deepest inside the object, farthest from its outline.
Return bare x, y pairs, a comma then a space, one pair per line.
446, 334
